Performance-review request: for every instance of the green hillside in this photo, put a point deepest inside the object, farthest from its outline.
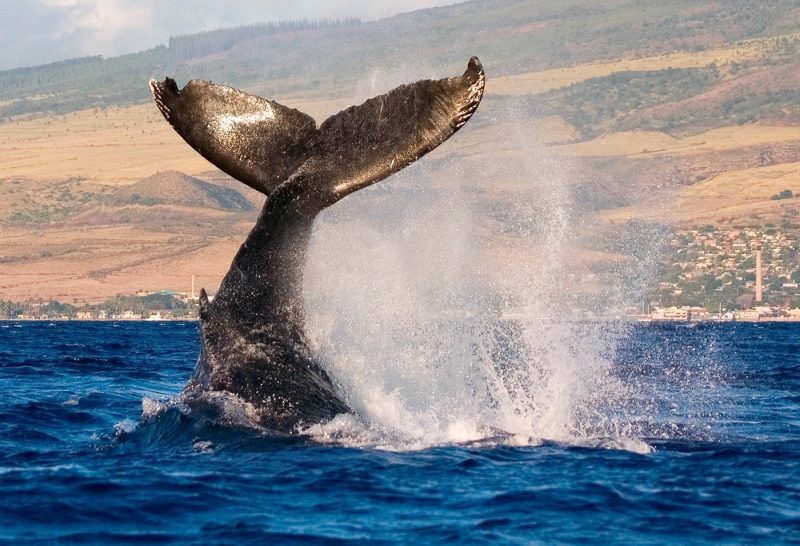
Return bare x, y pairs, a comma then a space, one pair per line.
510, 36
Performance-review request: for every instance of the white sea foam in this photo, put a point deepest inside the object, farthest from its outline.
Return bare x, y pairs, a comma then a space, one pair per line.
151, 408
125, 426
203, 446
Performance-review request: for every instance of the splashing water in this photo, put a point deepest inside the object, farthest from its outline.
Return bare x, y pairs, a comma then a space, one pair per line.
408, 308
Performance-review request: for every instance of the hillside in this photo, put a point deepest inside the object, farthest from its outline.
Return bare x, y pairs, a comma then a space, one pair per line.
75, 201
622, 119
176, 188
324, 59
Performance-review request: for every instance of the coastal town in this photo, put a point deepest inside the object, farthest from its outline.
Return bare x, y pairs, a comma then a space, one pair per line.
156, 306
708, 274
743, 274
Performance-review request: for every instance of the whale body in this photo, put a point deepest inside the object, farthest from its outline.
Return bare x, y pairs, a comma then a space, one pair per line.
253, 340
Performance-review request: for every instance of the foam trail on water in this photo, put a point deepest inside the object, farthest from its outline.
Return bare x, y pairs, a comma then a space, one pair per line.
441, 329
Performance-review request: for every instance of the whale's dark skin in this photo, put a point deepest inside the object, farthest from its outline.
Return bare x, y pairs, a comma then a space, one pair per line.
254, 344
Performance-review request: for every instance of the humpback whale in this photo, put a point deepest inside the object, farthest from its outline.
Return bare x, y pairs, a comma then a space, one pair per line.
253, 341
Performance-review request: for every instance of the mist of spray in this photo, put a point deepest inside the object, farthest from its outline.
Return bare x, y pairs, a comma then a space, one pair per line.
434, 339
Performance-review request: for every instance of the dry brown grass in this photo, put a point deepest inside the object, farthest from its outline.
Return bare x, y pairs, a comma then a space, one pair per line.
540, 82
94, 264
112, 146
743, 196
758, 184
643, 144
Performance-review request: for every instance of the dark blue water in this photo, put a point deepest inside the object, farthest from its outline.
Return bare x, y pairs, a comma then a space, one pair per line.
719, 405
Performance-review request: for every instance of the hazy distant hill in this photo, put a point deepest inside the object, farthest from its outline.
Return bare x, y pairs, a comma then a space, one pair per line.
164, 198
176, 188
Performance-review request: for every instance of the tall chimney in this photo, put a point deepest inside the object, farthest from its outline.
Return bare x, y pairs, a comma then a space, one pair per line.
193, 284
759, 296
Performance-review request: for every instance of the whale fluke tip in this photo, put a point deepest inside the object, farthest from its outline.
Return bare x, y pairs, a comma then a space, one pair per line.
474, 72
163, 92
474, 66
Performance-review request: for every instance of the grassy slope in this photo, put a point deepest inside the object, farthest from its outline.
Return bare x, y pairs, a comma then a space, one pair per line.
511, 36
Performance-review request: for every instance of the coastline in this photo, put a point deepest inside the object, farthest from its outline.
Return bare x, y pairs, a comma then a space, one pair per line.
59, 319
629, 318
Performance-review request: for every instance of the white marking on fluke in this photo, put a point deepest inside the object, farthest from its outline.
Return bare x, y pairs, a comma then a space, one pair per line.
229, 122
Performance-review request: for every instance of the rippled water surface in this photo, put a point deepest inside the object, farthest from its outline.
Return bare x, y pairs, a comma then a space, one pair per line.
705, 447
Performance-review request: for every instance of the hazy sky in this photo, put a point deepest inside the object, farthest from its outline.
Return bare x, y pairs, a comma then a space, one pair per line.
43, 31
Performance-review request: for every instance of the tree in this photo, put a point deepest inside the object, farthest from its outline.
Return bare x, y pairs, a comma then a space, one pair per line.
710, 283
784, 194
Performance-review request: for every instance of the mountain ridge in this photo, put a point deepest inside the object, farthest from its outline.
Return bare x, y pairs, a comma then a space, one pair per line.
511, 36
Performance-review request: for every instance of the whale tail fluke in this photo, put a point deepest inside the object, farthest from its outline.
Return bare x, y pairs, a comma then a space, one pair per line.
265, 144
254, 344
366, 143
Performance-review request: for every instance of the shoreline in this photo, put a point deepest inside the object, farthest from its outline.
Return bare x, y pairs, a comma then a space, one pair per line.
58, 319
633, 319
707, 321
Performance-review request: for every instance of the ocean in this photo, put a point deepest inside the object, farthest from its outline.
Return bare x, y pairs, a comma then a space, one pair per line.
669, 433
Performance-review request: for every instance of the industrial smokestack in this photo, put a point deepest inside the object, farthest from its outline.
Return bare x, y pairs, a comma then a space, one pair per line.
759, 297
